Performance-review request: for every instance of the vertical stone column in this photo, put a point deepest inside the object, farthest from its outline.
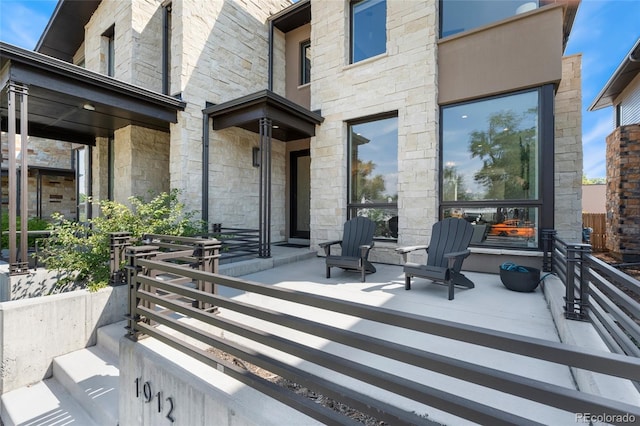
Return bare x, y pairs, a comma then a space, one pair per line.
623, 193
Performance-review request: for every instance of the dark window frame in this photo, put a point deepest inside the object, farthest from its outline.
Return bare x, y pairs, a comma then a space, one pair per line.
353, 207
305, 77
166, 47
545, 201
352, 5
109, 34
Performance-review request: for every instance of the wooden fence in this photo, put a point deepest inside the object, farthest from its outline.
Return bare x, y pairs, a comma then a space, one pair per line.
597, 222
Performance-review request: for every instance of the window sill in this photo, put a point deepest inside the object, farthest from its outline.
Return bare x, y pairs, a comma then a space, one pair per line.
365, 61
304, 86
510, 252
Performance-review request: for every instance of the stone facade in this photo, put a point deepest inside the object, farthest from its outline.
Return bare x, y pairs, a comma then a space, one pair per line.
51, 169
568, 152
214, 60
623, 193
385, 83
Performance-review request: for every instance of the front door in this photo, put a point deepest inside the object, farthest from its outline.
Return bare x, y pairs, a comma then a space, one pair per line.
300, 194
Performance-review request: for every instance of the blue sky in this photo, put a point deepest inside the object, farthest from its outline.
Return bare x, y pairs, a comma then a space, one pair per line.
604, 31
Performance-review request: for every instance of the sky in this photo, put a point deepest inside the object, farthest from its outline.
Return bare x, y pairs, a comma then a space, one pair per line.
604, 31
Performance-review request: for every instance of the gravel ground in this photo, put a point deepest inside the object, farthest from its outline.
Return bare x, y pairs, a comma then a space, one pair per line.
300, 390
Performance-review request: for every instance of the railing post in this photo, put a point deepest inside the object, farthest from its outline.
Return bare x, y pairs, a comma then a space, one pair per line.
576, 309
118, 242
132, 255
548, 236
208, 255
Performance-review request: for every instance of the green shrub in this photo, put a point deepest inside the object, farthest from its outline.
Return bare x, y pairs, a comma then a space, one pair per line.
81, 251
33, 224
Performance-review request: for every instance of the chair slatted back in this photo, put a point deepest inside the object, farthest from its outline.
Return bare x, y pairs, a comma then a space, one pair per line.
357, 231
447, 236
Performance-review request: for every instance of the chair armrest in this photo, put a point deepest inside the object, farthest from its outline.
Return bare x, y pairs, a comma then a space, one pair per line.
327, 246
364, 250
457, 256
462, 254
406, 250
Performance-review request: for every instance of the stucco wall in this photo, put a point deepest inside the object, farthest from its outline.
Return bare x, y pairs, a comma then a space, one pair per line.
403, 79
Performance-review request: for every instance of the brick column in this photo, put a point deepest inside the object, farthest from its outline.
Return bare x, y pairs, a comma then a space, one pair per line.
623, 193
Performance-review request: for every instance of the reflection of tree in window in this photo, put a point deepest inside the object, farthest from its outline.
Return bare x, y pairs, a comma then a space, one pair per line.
367, 187
505, 149
454, 188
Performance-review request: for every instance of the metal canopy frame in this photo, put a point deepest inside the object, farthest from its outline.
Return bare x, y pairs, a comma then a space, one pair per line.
271, 116
53, 99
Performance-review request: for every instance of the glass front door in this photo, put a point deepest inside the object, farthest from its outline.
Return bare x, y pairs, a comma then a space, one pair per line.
300, 194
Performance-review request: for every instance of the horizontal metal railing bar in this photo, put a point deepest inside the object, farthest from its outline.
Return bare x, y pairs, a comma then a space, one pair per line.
557, 396
364, 403
616, 275
460, 406
624, 320
612, 364
613, 330
618, 296
602, 330
189, 240
361, 402
297, 402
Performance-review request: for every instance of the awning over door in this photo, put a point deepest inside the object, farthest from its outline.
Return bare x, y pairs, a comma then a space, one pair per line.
270, 116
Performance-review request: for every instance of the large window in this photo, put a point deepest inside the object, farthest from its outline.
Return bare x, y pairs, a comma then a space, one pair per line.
373, 173
462, 15
492, 161
368, 29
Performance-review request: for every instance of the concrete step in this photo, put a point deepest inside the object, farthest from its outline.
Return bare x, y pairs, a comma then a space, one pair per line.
44, 403
109, 338
91, 376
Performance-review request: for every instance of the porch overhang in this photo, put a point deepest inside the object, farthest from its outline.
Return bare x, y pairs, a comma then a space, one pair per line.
72, 104
290, 121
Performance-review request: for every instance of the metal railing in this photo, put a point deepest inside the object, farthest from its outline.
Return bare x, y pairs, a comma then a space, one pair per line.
236, 242
597, 292
152, 299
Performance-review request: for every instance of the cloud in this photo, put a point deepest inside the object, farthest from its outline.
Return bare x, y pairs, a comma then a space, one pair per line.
22, 22
599, 126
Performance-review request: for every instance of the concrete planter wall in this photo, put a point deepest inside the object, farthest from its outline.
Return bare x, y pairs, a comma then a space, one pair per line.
34, 331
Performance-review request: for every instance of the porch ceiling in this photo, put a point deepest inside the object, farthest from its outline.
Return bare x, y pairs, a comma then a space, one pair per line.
290, 120
59, 94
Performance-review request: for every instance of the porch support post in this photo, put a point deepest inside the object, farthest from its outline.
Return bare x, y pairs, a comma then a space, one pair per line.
24, 184
264, 249
18, 264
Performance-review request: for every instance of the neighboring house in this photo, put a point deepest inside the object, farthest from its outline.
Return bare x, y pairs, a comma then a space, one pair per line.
622, 92
594, 198
291, 119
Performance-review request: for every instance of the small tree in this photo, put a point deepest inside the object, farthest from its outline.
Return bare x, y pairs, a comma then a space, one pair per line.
82, 251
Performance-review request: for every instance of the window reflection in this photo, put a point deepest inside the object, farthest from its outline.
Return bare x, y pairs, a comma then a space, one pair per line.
373, 177
512, 226
463, 15
368, 29
490, 149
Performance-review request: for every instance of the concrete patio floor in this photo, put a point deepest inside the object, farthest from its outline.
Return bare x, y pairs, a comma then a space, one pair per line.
489, 305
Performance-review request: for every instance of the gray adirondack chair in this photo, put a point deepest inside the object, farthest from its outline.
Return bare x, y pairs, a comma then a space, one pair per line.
448, 248
357, 241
